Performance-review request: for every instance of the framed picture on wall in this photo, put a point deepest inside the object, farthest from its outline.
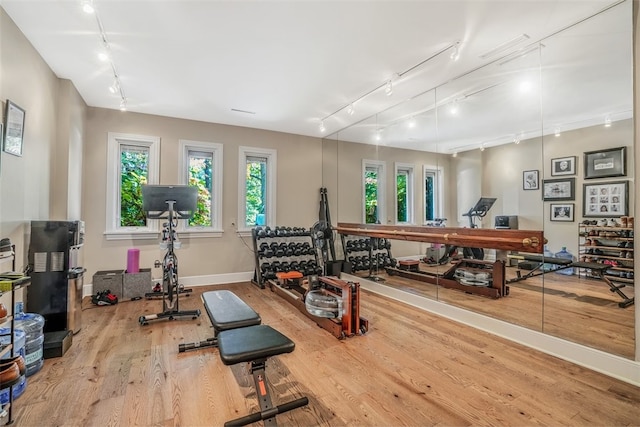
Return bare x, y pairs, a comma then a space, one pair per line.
605, 163
558, 189
606, 199
530, 180
14, 129
562, 212
563, 166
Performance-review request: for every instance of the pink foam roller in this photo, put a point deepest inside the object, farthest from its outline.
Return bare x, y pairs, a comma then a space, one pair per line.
133, 261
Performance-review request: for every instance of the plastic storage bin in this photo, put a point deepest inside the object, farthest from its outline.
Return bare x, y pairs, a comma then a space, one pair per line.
567, 255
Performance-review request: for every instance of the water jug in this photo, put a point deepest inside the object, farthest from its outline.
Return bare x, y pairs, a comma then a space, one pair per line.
567, 255
547, 254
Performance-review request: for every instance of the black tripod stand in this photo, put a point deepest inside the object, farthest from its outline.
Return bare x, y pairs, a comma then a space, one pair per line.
171, 203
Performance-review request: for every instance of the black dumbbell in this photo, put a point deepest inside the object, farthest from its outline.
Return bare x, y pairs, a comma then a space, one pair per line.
275, 266
294, 266
285, 267
265, 266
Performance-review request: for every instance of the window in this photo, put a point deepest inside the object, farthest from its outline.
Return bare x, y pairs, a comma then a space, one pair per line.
257, 192
132, 161
404, 193
201, 166
373, 175
432, 194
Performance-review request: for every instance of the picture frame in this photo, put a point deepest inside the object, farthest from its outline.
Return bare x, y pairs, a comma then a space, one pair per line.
531, 180
13, 129
563, 166
606, 199
605, 163
558, 189
562, 212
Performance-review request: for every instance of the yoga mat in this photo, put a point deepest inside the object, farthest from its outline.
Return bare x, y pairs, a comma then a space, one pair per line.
133, 261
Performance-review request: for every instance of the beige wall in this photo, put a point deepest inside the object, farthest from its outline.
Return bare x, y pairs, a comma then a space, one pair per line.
299, 178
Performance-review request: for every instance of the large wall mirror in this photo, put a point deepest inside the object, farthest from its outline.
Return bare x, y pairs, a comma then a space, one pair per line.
553, 150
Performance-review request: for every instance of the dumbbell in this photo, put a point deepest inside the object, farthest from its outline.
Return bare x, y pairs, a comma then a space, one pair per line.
275, 266
285, 267
294, 266
297, 249
288, 250
269, 275
265, 266
269, 232
260, 233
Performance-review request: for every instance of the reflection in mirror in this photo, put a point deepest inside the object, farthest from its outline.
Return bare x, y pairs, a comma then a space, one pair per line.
515, 130
592, 114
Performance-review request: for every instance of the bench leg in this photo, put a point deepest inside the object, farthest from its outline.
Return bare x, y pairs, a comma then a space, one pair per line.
613, 288
267, 411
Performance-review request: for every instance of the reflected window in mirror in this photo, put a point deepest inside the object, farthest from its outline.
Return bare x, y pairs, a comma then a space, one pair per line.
373, 174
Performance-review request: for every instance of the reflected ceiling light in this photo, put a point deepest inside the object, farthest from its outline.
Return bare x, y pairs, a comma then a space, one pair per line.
87, 6
350, 110
455, 154
525, 86
123, 104
503, 47
115, 87
482, 147
377, 136
607, 121
322, 128
455, 53
556, 132
411, 122
516, 140
388, 88
103, 56
453, 109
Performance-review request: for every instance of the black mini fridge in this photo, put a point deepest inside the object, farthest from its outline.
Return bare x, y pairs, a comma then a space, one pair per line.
56, 279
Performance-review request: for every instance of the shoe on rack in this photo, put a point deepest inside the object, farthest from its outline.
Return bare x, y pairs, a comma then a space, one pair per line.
18, 360
9, 373
104, 298
5, 245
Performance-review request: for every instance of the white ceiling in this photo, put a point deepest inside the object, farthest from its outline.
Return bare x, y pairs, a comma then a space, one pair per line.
294, 63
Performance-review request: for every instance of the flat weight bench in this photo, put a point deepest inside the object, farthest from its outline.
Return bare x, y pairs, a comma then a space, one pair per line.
597, 270
255, 344
226, 311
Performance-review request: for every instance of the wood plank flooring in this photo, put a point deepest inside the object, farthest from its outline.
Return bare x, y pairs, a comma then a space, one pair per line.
574, 308
411, 369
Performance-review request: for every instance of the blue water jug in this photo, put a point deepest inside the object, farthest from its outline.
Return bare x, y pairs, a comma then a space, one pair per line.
564, 253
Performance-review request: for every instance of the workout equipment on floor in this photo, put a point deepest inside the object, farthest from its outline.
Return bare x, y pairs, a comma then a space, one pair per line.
170, 203
226, 311
478, 211
240, 338
469, 275
558, 264
332, 303
255, 344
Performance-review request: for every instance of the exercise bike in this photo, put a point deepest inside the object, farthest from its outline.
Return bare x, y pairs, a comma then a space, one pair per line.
171, 203
478, 211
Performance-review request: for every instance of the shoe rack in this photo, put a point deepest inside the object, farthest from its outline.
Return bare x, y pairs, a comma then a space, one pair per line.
609, 242
10, 282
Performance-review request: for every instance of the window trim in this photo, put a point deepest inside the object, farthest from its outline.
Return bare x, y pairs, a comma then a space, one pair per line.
272, 169
114, 142
410, 169
216, 149
437, 172
382, 182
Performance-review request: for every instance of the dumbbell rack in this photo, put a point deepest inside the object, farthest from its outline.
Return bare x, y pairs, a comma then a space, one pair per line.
367, 254
283, 249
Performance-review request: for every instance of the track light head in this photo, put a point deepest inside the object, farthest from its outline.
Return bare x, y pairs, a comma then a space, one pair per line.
607, 121
388, 88
123, 105
322, 128
87, 6
455, 52
350, 110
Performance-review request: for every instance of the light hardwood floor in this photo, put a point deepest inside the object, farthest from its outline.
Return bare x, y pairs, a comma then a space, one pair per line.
411, 369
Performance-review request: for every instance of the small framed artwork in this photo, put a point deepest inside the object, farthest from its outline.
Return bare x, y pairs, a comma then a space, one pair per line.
530, 180
558, 189
14, 129
563, 166
605, 163
562, 212
606, 199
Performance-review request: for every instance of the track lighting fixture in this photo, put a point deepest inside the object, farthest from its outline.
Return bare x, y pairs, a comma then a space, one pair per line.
455, 52
453, 109
350, 110
322, 128
412, 122
123, 105
388, 89
115, 87
556, 132
455, 154
87, 6
607, 121
482, 147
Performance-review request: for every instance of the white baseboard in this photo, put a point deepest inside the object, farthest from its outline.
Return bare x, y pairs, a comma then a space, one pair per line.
614, 366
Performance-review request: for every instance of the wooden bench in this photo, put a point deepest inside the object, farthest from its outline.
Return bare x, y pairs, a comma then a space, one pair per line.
226, 311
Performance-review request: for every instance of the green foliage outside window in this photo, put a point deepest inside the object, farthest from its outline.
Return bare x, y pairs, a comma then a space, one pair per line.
371, 196
429, 199
200, 175
255, 190
133, 173
401, 183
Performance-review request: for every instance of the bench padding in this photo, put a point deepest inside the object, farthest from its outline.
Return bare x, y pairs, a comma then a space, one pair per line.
227, 311
252, 343
546, 259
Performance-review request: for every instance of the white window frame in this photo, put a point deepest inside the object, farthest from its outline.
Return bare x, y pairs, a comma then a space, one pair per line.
407, 168
272, 169
215, 149
114, 141
437, 173
382, 183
